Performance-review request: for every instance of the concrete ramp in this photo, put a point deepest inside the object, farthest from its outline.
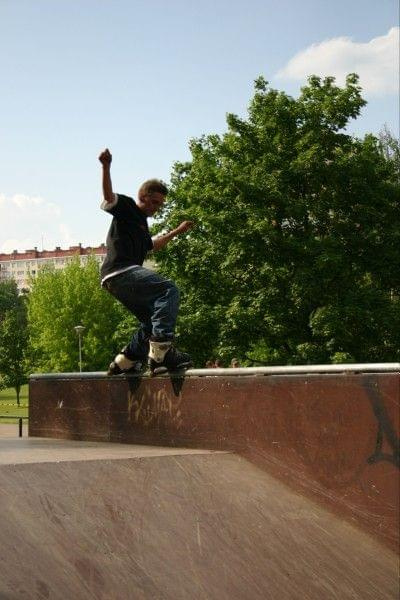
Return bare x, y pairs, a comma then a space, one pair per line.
86, 520
332, 436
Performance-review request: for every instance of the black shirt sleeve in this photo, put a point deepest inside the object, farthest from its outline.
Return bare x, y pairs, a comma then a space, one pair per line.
122, 210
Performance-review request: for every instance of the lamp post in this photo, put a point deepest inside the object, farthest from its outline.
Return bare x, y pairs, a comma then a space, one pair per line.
79, 330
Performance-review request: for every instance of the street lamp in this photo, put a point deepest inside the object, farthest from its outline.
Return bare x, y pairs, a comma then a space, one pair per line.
79, 330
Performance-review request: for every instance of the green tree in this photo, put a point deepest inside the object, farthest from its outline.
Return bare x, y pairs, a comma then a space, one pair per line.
295, 257
390, 147
13, 337
13, 345
60, 300
8, 296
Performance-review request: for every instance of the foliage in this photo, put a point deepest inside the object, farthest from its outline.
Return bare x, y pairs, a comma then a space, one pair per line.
390, 147
13, 337
295, 256
8, 296
60, 300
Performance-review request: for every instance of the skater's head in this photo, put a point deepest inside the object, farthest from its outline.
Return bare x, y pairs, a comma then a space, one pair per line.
151, 196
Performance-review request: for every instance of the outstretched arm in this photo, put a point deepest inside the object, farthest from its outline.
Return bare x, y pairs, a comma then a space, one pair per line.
162, 240
105, 158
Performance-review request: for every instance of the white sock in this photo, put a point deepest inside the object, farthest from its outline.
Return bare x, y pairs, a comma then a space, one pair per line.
158, 350
124, 362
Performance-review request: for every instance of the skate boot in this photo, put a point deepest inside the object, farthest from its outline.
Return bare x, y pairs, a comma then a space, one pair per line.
122, 364
163, 357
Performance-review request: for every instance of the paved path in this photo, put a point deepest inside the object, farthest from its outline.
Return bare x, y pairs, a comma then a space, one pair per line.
15, 450
11, 429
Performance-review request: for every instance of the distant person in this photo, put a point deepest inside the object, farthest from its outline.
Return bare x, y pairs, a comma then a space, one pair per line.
235, 364
209, 364
218, 364
153, 299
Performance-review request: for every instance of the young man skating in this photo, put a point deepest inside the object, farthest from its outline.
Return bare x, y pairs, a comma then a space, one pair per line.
153, 299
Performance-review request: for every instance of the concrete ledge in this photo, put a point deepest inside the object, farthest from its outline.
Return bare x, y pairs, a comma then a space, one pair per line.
331, 436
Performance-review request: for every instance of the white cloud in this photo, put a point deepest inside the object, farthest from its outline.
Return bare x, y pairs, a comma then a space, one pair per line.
27, 203
65, 236
9, 245
376, 62
29, 221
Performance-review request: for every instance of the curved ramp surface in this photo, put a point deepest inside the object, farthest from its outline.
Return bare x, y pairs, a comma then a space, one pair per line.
132, 523
331, 436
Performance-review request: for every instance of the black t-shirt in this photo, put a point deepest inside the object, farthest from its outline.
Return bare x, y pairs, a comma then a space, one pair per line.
128, 239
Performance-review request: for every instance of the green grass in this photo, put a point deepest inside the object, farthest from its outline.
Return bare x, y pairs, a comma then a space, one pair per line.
9, 406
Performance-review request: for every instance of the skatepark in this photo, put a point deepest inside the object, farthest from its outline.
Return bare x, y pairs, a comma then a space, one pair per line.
269, 483
187, 186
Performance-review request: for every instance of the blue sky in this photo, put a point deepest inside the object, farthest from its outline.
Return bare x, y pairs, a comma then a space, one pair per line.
143, 78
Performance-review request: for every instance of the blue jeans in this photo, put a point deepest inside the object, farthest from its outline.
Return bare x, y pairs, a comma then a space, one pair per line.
153, 300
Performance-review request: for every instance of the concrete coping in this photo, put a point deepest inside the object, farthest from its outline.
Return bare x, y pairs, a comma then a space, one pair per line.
241, 371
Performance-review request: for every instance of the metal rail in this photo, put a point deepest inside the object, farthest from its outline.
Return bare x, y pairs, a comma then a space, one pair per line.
232, 372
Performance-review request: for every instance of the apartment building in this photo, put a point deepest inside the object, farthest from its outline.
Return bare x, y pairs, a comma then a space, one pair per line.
21, 266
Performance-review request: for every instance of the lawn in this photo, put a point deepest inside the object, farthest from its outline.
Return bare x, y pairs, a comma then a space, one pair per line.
8, 404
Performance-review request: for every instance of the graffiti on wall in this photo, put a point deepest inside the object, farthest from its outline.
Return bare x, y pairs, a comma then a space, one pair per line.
386, 432
149, 408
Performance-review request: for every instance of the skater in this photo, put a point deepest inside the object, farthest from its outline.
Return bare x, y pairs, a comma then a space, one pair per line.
153, 299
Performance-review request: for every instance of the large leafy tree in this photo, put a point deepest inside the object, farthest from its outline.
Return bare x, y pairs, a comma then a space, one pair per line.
13, 336
13, 348
8, 296
295, 257
60, 300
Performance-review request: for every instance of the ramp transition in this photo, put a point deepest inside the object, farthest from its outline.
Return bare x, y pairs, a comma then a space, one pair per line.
331, 432
133, 523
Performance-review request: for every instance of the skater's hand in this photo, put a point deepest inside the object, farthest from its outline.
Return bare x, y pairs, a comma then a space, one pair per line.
162, 240
105, 158
185, 226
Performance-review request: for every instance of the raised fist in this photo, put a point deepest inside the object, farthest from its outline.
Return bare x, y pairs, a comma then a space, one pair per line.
105, 157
